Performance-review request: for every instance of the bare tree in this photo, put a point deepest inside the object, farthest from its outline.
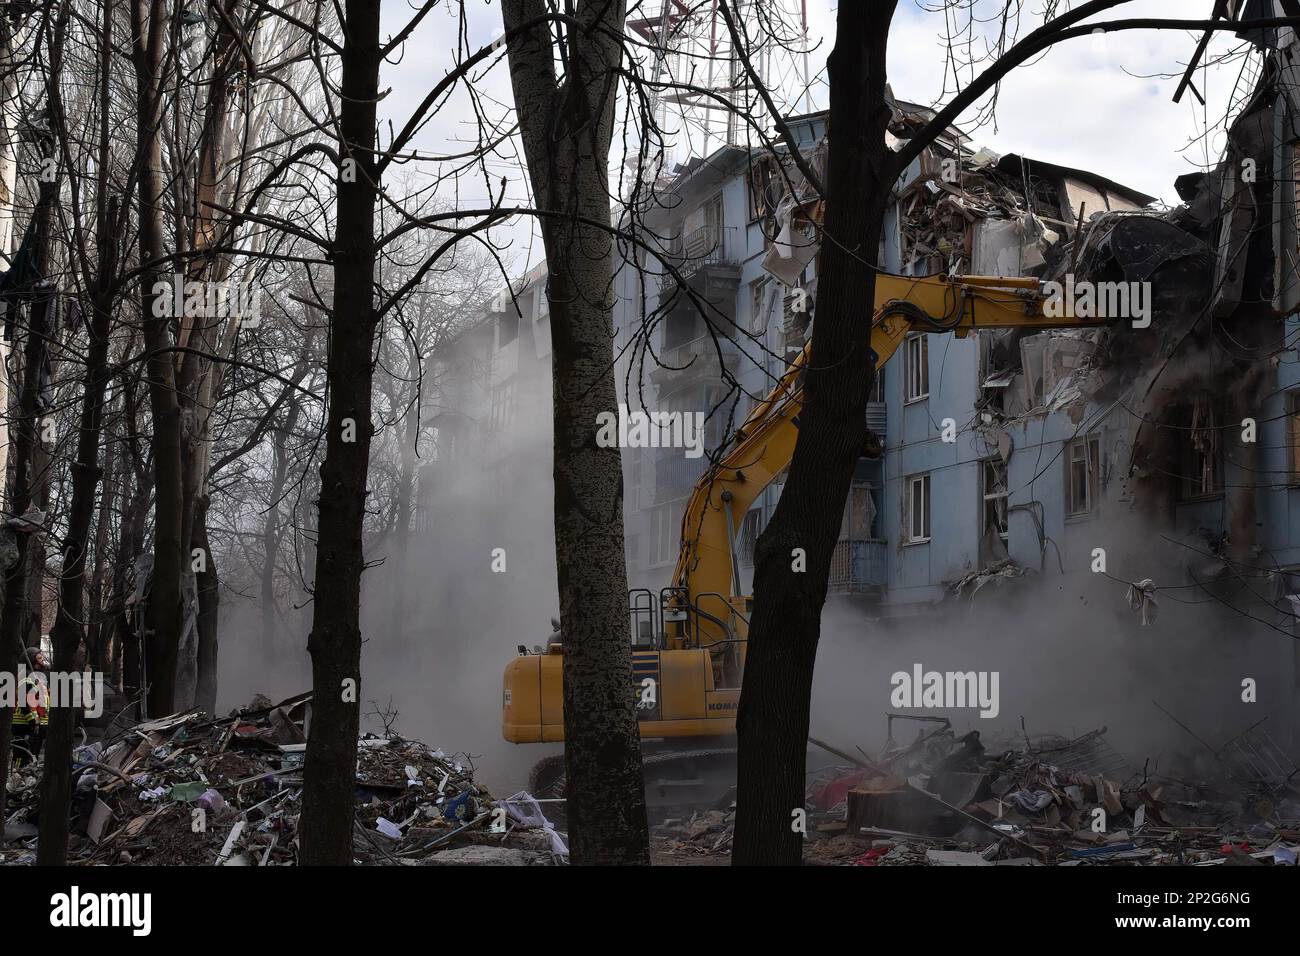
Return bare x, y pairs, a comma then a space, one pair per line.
566, 124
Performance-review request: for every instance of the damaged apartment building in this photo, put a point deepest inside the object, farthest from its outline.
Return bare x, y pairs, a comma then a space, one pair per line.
1124, 439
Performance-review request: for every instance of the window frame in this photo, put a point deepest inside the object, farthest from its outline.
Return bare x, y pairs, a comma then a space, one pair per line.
757, 296
912, 390
910, 514
1091, 445
1194, 462
986, 496
501, 406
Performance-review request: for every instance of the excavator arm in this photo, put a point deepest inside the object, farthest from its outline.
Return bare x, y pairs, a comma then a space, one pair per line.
706, 579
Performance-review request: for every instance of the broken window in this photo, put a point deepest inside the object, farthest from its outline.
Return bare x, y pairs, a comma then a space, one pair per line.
917, 367
994, 491
995, 382
1201, 455
877, 393
1082, 467
917, 520
765, 188
757, 303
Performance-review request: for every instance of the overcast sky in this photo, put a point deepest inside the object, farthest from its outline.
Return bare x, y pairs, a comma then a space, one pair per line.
1103, 103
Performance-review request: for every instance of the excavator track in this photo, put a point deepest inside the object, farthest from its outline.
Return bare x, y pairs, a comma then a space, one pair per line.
703, 778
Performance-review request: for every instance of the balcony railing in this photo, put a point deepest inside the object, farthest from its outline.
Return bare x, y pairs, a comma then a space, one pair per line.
703, 348
876, 418
858, 567
708, 245
675, 474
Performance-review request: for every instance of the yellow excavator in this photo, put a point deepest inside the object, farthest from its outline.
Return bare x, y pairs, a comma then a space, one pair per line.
688, 642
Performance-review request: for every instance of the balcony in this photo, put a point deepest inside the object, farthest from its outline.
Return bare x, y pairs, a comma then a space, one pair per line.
675, 474
701, 357
876, 419
858, 567
707, 249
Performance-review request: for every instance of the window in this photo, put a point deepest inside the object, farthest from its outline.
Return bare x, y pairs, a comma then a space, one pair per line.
764, 188
859, 513
994, 490
507, 326
702, 229
681, 326
664, 525
917, 368
503, 407
758, 314
917, 519
1083, 469
878, 386
1201, 456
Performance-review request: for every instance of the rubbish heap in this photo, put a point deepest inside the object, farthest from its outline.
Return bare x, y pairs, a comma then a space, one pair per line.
950, 801
944, 800
193, 790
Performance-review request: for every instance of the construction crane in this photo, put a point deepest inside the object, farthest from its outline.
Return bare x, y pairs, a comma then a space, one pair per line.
688, 642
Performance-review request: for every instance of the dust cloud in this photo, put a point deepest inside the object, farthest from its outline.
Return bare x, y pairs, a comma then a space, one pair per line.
1072, 657
440, 626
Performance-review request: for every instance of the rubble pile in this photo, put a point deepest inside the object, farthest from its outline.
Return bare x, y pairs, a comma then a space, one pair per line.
192, 790
703, 833
945, 801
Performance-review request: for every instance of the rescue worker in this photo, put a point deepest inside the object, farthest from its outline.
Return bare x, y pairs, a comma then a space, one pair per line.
32, 715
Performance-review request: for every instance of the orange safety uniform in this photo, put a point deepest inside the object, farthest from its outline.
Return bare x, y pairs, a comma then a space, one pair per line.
33, 702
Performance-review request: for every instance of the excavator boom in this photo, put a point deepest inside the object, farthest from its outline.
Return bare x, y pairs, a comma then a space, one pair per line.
764, 443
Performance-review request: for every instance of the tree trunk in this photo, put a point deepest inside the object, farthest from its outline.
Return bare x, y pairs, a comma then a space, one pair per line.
97, 634
205, 696
329, 774
772, 723
165, 613
131, 546
566, 133
13, 612
67, 633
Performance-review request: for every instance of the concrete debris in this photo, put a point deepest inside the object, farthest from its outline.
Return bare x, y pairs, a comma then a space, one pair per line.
998, 574
944, 800
704, 832
193, 790
948, 801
